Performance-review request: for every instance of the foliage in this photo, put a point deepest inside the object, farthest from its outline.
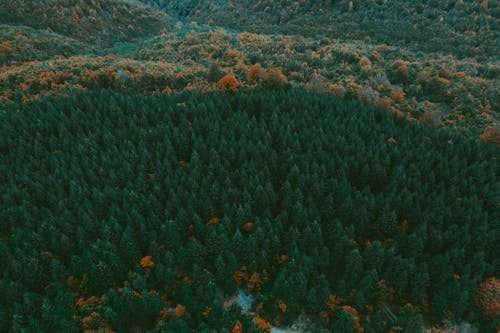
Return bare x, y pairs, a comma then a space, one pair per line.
19, 44
100, 22
335, 210
229, 83
488, 297
455, 93
462, 28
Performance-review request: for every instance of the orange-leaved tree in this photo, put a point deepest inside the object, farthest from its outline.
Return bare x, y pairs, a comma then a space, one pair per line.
282, 306
229, 83
147, 262
238, 328
180, 310
263, 325
354, 313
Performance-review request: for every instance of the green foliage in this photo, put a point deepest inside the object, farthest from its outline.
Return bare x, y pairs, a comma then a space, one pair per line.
96, 181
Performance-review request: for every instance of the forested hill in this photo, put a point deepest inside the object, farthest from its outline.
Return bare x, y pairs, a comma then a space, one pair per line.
137, 47
462, 28
104, 22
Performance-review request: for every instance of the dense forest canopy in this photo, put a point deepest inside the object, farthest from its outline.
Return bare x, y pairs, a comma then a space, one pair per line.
120, 207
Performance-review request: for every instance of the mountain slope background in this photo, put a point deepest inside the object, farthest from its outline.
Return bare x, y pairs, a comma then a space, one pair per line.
462, 28
438, 84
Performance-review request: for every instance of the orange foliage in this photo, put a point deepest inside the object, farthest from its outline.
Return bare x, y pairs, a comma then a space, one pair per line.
256, 73
167, 91
238, 328
354, 313
147, 262
182, 164
23, 86
263, 325
283, 258
207, 311
213, 220
443, 81
6, 48
248, 227
365, 64
233, 55
229, 83
337, 90
260, 308
254, 282
324, 315
282, 306
90, 302
491, 134
397, 95
180, 310
332, 302
275, 79
488, 297
92, 322
391, 140
151, 176
239, 277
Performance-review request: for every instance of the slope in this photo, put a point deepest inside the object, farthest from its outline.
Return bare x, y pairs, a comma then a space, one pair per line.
102, 22
462, 28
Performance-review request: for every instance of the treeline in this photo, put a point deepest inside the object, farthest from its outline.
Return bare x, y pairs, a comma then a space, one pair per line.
145, 212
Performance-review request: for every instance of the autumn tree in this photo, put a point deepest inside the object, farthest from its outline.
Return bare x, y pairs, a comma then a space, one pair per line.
256, 73
229, 83
275, 79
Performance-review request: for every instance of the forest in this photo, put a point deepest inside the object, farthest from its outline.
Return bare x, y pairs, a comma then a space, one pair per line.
120, 207
249, 166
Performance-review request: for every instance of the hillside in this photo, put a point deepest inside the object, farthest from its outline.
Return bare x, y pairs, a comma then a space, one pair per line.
19, 44
440, 90
462, 28
98, 22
